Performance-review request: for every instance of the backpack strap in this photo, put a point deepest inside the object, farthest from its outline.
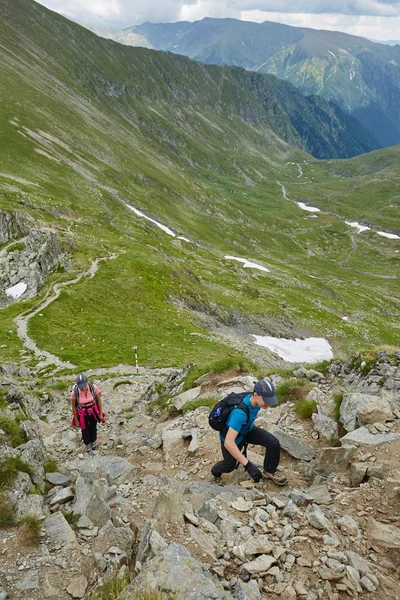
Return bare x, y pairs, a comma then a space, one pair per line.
92, 391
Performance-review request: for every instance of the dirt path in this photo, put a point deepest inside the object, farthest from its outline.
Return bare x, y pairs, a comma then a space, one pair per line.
22, 322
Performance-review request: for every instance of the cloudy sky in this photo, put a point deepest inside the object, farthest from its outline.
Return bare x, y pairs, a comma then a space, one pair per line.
377, 19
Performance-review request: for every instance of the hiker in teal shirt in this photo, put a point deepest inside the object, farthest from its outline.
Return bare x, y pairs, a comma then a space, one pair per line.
241, 431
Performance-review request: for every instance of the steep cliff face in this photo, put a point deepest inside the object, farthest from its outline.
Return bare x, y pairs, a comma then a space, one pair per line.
361, 77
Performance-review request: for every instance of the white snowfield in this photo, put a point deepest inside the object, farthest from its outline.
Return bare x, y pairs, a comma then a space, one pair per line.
360, 228
17, 290
248, 264
303, 206
160, 225
390, 236
310, 350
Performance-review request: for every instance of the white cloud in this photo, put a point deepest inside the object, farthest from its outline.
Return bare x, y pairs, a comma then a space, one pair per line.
377, 19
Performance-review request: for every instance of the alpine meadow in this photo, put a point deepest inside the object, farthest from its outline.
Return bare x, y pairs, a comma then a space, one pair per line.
97, 138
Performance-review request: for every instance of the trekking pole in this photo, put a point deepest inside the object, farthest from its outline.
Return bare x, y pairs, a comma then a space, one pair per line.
136, 359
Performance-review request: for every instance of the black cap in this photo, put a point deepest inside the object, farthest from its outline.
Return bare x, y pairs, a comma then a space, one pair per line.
82, 381
266, 389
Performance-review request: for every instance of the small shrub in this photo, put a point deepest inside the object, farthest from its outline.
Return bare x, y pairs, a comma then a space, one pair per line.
13, 430
322, 366
112, 589
17, 247
9, 469
35, 491
50, 466
369, 364
71, 518
337, 402
123, 382
60, 386
242, 365
7, 515
31, 528
208, 401
127, 410
292, 390
305, 408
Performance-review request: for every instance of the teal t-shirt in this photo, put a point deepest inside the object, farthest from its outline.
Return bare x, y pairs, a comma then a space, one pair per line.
237, 420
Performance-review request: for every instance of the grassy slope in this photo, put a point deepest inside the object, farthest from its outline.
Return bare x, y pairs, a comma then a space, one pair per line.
192, 147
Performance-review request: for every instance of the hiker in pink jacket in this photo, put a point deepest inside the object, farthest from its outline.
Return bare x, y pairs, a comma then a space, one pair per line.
87, 409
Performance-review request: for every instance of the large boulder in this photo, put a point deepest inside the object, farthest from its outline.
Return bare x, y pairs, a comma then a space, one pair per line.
175, 571
334, 460
385, 535
115, 469
293, 445
360, 409
92, 498
58, 533
34, 454
151, 543
363, 436
325, 425
182, 399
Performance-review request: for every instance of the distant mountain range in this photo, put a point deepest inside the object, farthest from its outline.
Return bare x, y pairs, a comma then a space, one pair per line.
360, 76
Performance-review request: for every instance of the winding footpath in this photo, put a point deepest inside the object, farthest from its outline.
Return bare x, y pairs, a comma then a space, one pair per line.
22, 322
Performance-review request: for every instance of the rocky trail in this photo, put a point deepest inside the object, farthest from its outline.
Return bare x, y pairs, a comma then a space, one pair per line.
143, 506
22, 321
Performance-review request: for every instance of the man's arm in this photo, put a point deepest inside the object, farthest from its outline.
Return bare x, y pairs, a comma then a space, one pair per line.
232, 448
73, 405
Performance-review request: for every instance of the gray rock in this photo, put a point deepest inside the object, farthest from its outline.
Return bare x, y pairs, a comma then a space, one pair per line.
57, 479
359, 409
326, 427
186, 397
367, 584
174, 570
115, 469
385, 535
299, 498
34, 454
334, 460
3, 593
171, 438
150, 545
31, 506
313, 375
293, 446
246, 591
209, 511
358, 562
259, 565
203, 540
123, 537
14, 395
92, 498
316, 517
363, 436
28, 582
77, 587
357, 473
63, 496
171, 509
349, 526
291, 510
319, 494
85, 523
59, 532
257, 544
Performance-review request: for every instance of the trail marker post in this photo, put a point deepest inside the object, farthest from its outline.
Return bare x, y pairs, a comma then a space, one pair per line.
136, 359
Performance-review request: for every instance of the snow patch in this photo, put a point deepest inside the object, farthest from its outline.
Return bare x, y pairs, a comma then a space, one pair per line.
140, 214
332, 53
180, 237
303, 206
17, 290
310, 350
345, 318
390, 236
360, 228
247, 263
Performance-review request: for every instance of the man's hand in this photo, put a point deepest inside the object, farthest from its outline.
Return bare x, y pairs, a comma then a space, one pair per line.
253, 471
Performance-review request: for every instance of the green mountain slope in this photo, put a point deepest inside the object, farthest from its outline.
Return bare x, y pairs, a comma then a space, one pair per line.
362, 77
89, 126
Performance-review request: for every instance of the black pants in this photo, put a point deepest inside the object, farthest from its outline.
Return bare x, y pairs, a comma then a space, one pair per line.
89, 434
258, 437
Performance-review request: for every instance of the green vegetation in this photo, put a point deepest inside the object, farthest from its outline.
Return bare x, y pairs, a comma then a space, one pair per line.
17, 247
112, 589
202, 158
322, 367
238, 365
71, 518
50, 466
208, 401
30, 529
305, 408
35, 491
337, 402
293, 390
9, 469
7, 513
14, 433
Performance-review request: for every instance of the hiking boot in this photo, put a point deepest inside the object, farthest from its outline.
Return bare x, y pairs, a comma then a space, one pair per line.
276, 477
218, 480
94, 445
88, 447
